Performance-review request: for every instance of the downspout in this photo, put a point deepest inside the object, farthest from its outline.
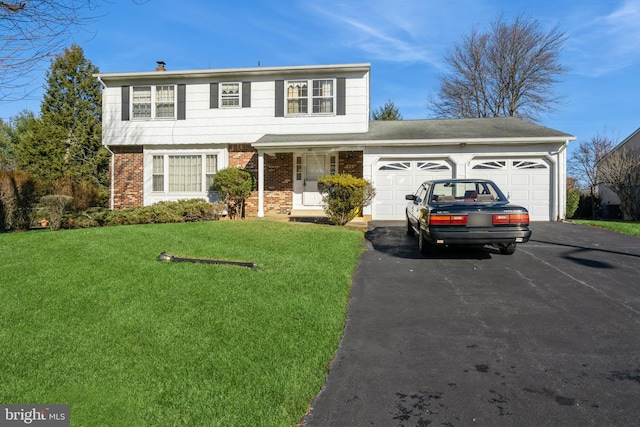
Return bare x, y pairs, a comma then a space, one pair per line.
260, 184
111, 180
113, 160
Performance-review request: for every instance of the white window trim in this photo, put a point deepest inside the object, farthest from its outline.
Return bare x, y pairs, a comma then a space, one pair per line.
221, 160
153, 102
220, 97
310, 97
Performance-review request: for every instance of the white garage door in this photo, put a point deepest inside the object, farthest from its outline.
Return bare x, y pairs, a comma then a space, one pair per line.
393, 179
525, 182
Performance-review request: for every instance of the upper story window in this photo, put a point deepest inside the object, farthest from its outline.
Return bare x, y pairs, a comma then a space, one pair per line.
322, 96
230, 94
153, 102
319, 101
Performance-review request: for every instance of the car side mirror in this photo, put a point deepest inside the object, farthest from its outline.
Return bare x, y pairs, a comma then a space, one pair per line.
410, 197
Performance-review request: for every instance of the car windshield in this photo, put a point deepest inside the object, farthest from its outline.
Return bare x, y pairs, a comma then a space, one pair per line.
466, 192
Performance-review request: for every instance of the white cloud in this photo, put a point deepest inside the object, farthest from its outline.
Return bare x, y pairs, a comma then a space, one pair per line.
393, 34
603, 44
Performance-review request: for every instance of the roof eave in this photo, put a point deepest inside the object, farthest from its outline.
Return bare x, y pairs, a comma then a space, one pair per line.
412, 142
230, 72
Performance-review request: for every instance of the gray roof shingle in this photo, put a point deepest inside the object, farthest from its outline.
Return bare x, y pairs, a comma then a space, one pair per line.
431, 131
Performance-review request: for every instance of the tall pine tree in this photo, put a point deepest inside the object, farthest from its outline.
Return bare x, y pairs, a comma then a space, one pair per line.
65, 143
387, 112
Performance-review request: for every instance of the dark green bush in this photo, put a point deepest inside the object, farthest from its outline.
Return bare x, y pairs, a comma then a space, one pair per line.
344, 196
57, 205
234, 186
189, 210
17, 198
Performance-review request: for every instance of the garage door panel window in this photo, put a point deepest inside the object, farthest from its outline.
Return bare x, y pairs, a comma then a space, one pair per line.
501, 164
398, 166
431, 166
524, 164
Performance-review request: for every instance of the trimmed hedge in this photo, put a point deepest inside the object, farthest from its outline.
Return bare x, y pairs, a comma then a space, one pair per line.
188, 210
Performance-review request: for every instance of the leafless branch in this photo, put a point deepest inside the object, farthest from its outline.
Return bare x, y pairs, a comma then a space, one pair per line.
620, 171
507, 71
32, 31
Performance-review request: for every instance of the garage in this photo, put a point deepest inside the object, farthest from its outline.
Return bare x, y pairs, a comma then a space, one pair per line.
395, 178
525, 182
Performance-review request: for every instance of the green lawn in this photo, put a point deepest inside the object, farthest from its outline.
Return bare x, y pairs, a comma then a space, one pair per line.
630, 228
90, 318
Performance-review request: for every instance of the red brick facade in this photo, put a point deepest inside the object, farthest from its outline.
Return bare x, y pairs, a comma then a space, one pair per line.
278, 173
351, 162
128, 175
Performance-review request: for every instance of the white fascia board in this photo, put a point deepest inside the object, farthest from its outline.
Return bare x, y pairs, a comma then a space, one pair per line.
219, 73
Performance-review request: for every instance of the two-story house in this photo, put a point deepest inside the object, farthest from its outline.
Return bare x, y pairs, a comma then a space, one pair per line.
169, 132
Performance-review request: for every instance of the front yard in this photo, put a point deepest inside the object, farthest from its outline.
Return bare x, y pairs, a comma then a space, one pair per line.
92, 319
625, 227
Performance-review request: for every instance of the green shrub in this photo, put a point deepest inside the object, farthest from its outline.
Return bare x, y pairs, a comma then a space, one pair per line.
344, 196
573, 199
17, 197
57, 205
234, 186
190, 210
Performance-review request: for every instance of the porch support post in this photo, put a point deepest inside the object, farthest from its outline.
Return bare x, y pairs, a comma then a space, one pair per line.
260, 184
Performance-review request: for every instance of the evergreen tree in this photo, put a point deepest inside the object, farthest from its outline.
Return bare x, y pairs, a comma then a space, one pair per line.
64, 144
388, 112
7, 155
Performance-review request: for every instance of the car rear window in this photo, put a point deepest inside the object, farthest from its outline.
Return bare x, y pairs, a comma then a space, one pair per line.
465, 192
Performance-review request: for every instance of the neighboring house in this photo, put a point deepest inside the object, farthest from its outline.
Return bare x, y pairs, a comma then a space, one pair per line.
607, 196
171, 131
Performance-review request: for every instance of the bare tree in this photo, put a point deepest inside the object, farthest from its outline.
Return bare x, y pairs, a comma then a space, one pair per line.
620, 171
35, 30
507, 71
583, 163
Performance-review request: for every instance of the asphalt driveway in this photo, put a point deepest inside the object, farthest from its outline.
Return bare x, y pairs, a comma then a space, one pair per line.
549, 336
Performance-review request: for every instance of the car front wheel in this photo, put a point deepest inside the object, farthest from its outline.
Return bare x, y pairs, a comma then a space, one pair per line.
410, 230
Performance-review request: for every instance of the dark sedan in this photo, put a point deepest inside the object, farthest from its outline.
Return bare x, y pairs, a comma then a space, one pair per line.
465, 212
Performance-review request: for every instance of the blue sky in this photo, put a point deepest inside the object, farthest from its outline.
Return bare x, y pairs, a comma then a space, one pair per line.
404, 40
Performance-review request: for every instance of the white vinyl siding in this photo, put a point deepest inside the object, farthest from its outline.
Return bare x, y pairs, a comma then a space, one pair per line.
205, 125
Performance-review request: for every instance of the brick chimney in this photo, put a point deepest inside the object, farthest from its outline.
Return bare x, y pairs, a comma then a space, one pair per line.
160, 66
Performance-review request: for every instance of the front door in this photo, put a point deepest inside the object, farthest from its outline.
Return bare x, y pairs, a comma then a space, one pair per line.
314, 168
